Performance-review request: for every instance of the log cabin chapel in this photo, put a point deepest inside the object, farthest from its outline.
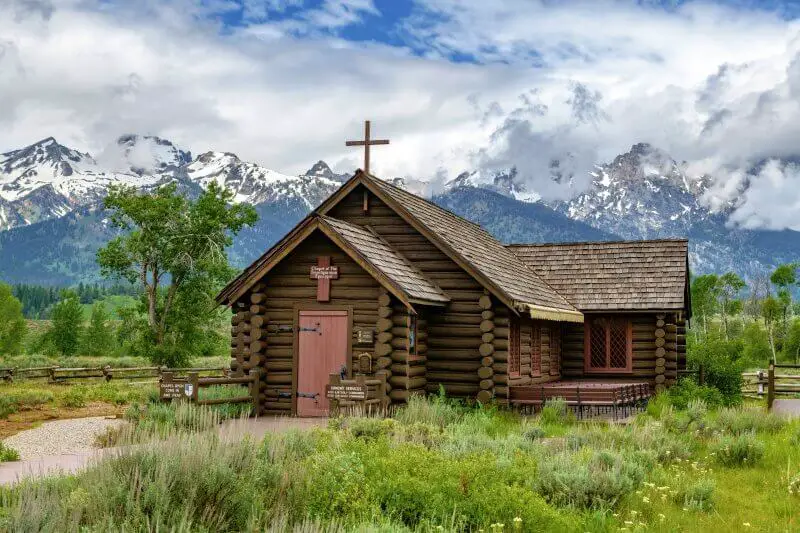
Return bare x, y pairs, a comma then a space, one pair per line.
382, 283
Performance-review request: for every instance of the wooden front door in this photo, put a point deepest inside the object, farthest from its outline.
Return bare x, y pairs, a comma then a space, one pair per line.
322, 350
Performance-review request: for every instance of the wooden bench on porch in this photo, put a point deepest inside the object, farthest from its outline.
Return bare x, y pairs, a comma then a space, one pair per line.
597, 397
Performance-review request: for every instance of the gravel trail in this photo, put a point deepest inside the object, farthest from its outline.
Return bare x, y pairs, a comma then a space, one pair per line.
60, 437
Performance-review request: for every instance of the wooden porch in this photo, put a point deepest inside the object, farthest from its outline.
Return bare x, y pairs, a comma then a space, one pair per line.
585, 397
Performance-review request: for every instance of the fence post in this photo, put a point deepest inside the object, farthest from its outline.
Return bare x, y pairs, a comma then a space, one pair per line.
701, 375
194, 379
770, 385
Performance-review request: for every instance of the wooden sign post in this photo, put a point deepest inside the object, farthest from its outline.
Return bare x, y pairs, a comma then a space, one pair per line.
324, 273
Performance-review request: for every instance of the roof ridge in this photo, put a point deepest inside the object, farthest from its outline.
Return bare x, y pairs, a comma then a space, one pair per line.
577, 243
429, 202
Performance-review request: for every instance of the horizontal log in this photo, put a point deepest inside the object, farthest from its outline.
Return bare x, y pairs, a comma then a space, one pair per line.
404, 382
276, 365
501, 379
454, 366
385, 312
279, 378
454, 389
486, 349
458, 377
487, 314
501, 332
455, 330
443, 354
500, 356
487, 326
454, 342
484, 396
384, 337
501, 344
485, 302
487, 361
383, 324
486, 384
384, 300
382, 349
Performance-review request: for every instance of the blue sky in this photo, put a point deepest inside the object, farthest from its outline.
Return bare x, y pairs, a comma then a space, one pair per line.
456, 84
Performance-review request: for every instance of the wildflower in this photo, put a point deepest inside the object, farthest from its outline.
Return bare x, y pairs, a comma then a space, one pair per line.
645, 500
628, 523
746, 524
661, 517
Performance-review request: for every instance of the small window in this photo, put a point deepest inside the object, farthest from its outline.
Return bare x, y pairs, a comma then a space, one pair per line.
513, 348
607, 344
555, 350
536, 350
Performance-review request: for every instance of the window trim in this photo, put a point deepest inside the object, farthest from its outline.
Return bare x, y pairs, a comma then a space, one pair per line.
514, 348
587, 356
413, 338
536, 350
555, 350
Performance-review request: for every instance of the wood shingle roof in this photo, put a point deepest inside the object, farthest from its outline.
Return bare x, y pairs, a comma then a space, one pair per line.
385, 259
483, 252
614, 276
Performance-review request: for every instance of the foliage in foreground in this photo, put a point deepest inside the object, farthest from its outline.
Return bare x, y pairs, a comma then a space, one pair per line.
435, 466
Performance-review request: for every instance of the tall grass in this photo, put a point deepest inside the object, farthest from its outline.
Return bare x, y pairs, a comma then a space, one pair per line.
436, 466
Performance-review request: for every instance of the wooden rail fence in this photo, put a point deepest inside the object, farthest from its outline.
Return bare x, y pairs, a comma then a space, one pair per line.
771, 383
57, 374
188, 387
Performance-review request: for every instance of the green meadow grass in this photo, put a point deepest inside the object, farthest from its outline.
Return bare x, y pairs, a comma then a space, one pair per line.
435, 466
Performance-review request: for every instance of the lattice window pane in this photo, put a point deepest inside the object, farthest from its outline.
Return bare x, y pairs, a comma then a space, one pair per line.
597, 344
514, 348
618, 344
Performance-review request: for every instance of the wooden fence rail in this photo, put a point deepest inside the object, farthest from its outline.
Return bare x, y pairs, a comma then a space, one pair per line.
188, 387
56, 374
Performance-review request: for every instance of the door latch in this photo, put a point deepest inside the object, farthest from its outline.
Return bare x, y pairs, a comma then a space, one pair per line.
312, 395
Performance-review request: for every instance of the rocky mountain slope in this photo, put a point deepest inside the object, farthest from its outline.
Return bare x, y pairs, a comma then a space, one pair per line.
51, 221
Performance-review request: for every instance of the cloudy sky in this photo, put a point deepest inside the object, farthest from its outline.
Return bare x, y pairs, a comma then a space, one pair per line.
455, 84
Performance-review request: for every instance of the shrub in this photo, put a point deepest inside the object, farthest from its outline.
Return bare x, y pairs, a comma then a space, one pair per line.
599, 482
794, 485
738, 421
697, 409
533, 433
722, 366
687, 390
697, 496
7, 453
438, 411
74, 397
740, 450
370, 428
23, 400
556, 411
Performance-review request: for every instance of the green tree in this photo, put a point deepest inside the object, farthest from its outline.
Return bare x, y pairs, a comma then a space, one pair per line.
99, 336
791, 346
729, 287
66, 328
174, 249
705, 293
785, 278
12, 322
757, 349
771, 310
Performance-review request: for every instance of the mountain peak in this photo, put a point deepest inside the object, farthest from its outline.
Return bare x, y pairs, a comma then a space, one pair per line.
322, 170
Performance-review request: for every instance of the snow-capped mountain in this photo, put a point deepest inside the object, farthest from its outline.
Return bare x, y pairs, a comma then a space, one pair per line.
254, 184
646, 194
47, 180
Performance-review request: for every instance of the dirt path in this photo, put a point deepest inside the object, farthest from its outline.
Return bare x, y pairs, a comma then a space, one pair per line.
788, 408
67, 446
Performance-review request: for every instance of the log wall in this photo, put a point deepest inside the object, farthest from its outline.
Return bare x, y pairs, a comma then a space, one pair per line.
263, 321
659, 346
454, 337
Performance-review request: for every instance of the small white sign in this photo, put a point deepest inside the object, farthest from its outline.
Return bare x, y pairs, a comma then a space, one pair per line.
188, 389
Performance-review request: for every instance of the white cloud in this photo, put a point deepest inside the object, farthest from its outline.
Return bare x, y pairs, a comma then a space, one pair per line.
714, 86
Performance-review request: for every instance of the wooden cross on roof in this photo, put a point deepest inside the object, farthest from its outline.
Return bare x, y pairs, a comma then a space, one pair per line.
366, 143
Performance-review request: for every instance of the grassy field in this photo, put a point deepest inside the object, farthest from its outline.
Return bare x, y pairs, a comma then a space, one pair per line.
438, 466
